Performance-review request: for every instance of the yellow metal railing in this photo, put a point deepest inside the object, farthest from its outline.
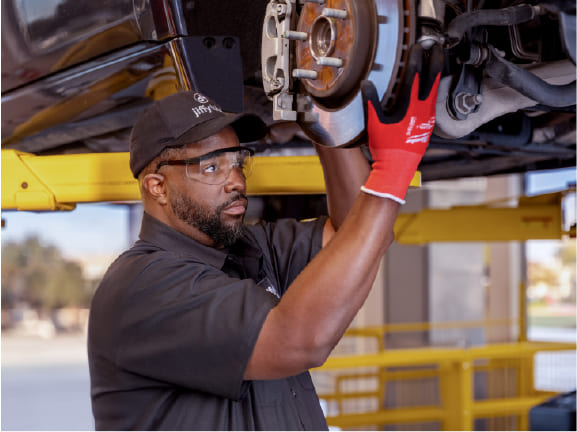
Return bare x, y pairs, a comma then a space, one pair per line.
487, 387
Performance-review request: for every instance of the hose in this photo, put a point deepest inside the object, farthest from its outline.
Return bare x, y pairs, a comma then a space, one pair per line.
529, 84
489, 17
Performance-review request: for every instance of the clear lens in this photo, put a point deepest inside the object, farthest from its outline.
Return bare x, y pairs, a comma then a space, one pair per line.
216, 169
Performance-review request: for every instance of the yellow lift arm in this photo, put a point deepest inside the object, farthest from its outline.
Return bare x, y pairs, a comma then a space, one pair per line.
34, 183
534, 218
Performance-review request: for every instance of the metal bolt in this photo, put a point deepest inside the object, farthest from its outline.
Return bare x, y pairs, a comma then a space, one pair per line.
209, 42
295, 35
24, 185
465, 103
281, 10
330, 61
334, 13
228, 43
277, 82
305, 73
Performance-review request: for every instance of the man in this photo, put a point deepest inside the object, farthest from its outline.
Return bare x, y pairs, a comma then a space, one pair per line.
207, 324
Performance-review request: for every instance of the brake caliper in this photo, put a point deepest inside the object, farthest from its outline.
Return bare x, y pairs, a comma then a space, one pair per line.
277, 69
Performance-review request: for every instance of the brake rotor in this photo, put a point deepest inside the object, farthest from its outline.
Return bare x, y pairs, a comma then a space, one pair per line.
349, 41
341, 33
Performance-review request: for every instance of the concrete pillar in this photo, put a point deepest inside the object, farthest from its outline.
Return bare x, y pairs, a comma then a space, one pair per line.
406, 297
506, 264
456, 281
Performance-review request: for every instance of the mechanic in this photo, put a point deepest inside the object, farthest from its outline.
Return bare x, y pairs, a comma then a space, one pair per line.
208, 324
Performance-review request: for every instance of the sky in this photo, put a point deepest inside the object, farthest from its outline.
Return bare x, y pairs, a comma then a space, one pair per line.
93, 229
102, 229
554, 180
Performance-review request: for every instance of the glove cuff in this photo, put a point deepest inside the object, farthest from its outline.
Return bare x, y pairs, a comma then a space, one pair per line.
392, 173
382, 195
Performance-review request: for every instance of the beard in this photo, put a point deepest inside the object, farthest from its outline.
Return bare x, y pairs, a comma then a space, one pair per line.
208, 220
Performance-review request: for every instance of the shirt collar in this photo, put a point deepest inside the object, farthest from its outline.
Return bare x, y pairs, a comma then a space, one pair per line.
167, 238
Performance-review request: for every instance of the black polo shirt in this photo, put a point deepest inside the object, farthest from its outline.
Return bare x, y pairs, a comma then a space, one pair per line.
173, 325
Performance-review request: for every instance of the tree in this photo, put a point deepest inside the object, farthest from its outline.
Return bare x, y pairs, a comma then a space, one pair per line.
39, 276
568, 253
539, 273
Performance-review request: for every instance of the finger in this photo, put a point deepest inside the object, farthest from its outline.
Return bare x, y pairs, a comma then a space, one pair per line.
406, 86
413, 67
370, 95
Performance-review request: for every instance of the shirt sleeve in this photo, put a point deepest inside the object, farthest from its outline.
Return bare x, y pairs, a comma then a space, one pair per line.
191, 326
288, 246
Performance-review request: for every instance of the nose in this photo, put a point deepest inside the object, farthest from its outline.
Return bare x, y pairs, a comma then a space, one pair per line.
235, 181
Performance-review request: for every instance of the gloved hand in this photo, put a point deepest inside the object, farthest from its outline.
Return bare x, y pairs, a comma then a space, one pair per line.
399, 137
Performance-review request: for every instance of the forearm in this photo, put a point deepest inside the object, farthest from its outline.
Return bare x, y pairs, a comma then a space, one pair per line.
327, 295
345, 171
321, 303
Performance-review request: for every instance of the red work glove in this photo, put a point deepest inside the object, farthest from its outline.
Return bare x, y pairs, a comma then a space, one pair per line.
399, 137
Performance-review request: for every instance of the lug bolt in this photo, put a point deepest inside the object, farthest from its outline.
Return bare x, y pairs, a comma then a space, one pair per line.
334, 13
305, 73
330, 61
295, 35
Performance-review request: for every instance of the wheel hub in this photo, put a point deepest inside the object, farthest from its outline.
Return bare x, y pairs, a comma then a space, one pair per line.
339, 47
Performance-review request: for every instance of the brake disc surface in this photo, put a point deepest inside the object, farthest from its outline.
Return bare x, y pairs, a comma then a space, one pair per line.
368, 40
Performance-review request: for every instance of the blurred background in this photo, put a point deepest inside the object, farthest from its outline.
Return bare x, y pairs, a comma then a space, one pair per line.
52, 263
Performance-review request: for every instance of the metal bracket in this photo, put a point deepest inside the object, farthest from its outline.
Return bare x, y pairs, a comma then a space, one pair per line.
212, 65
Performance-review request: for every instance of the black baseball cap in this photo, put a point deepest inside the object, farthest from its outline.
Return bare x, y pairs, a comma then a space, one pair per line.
183, 118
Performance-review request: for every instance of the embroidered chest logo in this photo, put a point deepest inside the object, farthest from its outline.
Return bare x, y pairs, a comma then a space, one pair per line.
268, 287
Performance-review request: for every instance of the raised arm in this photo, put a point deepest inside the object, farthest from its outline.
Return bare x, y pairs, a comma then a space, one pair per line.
345, 171
313, 314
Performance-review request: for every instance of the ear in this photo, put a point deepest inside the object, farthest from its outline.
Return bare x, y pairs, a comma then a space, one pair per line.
154, 186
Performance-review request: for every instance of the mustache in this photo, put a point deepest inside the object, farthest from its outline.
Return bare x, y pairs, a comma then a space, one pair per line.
234, 198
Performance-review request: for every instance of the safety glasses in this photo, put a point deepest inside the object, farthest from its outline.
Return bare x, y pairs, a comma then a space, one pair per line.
214, 168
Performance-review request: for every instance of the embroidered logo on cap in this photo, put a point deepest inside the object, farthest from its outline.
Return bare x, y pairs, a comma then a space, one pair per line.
200, 98
205, 109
